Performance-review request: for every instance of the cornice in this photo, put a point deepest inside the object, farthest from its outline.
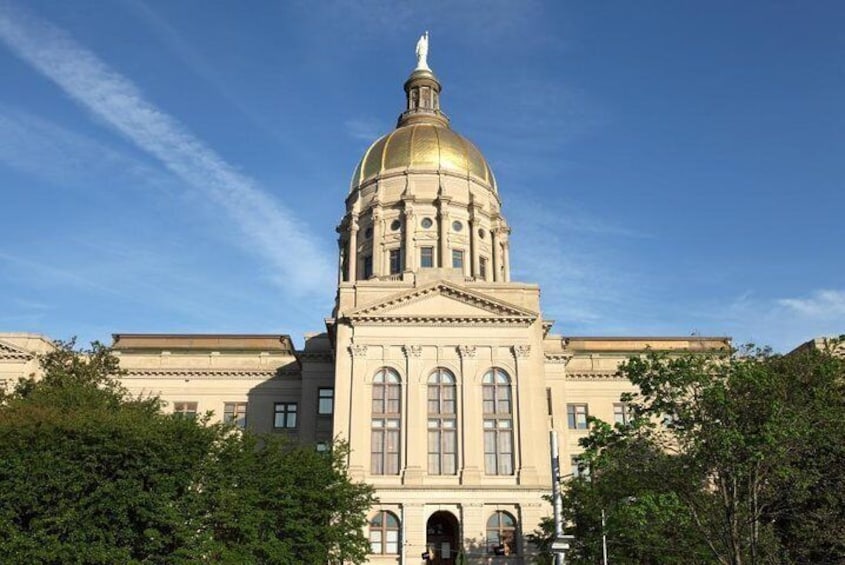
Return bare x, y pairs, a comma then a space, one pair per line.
562, 358
596, 376
214, 374
454, 321
12, 353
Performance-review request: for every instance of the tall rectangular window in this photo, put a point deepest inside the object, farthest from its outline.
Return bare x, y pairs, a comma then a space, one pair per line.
442, 424
235, 413
325, 404
576, 416
457, 259
386, 423
395, 262
482, 268
284, 417
185, 409
498, 423
621, 414
426, 257
368, 266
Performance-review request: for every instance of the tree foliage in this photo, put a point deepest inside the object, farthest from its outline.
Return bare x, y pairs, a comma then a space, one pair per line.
732, 459
89, 474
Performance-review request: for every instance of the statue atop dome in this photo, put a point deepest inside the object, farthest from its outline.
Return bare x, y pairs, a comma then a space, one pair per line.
422, 53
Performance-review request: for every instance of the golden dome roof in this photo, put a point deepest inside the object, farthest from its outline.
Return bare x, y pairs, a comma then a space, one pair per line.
423, 147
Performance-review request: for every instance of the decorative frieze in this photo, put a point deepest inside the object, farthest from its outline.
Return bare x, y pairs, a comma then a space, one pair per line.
521, 351
466, 351
358, 350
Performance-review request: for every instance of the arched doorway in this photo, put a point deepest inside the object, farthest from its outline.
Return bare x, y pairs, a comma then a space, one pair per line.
442, 539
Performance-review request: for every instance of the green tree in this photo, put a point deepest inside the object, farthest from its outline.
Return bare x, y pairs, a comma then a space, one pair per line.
89, 474
732, 459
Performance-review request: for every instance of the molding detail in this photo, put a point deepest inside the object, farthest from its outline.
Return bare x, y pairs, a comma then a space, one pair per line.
521, 351
204, 375
412, 350
466, 351
596, 376
558, 358
10, 352
358, 350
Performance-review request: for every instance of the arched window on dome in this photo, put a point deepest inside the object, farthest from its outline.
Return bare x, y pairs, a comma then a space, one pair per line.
501, 534
386, 423
384, 534
498, 423
442, 423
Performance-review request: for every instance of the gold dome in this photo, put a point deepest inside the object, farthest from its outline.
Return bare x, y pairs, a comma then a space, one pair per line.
423, 147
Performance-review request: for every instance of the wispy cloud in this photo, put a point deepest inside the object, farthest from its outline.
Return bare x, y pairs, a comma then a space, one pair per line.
48, 151
300, 265
364, 129
820, 305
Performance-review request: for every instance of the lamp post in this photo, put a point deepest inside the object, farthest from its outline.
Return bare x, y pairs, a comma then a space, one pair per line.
627, 500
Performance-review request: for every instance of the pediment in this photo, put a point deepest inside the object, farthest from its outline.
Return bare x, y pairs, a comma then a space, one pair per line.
9, 352
442, 302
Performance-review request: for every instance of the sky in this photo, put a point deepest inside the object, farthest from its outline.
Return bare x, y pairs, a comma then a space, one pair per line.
667, 168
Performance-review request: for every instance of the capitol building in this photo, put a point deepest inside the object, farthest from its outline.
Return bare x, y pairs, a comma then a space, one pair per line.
437, 368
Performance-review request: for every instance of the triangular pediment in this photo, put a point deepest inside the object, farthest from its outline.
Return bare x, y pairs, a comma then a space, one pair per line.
440, 302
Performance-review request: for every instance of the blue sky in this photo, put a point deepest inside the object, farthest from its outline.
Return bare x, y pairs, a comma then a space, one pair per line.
667, 167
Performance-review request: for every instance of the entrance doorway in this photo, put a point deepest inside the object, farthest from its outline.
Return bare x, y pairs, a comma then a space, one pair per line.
442, 538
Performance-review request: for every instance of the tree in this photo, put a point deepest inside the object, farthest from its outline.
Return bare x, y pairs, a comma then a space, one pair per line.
89, 474
733, 459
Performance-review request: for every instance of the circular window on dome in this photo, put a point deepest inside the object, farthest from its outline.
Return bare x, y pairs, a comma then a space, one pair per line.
457, 226
426, 223
481, 233
369, 233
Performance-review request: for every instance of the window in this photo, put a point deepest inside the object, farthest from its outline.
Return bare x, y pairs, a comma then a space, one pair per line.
285, 415
549, 402
442, 424
368, 266
621, 414
368, 233
457, 259
325, 403
322, 447
457, 226
576, 416
395, 225
185, 409
395, 262
235, 413
501, 534
426, 257
386, 423
426, 223
482, 268
384, 534
498, 423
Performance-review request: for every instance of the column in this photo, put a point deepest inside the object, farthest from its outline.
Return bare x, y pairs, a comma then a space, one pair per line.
443, 213
378, 242
353, 248
473, 241
410, 227
525, 415
359, 444
414, 428
471, 422
494, 259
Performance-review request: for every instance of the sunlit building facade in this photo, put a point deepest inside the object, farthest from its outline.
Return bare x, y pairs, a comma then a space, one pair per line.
439, 371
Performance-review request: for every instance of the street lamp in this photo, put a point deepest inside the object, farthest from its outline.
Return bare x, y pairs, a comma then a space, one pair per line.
627, 500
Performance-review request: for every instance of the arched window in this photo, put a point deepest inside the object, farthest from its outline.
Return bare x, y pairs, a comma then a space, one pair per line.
498, 423
442, 424
384, 533
387, 423
501, 534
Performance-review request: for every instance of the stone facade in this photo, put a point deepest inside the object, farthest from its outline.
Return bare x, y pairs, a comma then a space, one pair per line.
438, 370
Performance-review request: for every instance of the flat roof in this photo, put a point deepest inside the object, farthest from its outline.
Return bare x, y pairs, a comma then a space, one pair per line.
279, 343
